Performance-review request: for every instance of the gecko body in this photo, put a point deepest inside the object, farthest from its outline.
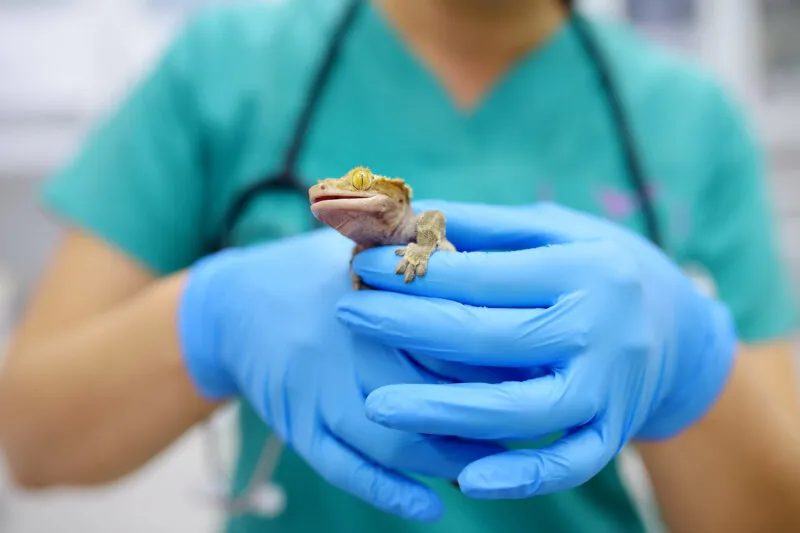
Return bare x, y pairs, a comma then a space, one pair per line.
373, 210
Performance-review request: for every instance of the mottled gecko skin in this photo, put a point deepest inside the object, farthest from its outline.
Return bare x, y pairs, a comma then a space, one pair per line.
374, 210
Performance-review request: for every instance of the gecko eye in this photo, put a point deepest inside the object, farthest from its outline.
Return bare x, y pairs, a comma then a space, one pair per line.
362, 180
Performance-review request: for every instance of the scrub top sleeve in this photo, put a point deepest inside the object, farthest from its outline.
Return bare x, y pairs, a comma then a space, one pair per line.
736, 235
138, 182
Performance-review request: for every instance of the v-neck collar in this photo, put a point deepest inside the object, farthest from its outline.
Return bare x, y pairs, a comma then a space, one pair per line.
548, 69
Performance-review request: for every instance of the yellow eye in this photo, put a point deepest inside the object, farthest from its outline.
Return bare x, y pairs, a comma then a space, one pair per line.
362, 179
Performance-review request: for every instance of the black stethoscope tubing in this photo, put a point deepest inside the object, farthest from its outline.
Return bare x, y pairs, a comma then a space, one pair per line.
286, 179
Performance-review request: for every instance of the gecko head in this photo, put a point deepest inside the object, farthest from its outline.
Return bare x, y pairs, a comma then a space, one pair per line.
360, 202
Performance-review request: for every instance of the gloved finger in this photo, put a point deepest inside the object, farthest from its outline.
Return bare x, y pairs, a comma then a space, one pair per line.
565, 464
506, 411
536, 277
451, 331
442, 457
448, 372
378, 368
386, 490
475, 226
343, 414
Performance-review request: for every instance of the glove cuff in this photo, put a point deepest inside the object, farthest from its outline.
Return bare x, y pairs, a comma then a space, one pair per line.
712, 361
198, 332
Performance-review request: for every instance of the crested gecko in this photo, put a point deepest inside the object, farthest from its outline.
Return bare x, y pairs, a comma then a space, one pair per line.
374, 210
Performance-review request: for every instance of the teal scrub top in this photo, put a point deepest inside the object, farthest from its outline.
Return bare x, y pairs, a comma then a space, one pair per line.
215, 114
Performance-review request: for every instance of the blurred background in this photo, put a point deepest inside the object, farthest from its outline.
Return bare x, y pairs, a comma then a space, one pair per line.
52, 89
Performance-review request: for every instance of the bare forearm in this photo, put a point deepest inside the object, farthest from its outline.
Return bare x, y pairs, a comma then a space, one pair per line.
737, 470
101, 399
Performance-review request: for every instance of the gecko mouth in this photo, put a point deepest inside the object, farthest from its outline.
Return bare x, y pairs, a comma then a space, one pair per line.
326, 198
343, 202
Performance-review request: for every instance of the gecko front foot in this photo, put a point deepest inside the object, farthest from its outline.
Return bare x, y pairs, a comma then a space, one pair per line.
414, 262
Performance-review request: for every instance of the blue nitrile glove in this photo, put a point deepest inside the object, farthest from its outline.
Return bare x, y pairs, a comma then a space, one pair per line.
624, 345
261, 323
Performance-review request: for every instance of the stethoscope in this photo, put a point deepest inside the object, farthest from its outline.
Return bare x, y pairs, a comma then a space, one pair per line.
262, 496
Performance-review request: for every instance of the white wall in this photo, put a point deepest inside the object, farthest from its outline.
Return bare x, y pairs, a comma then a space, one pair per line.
54, 87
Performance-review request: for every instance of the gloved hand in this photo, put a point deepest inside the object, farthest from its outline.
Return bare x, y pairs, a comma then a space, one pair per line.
261, 323
618, 342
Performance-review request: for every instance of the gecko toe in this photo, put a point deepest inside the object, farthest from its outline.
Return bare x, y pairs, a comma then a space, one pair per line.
401, 267
400, 251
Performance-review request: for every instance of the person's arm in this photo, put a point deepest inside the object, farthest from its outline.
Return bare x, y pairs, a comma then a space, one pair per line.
738, 469
94, 385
